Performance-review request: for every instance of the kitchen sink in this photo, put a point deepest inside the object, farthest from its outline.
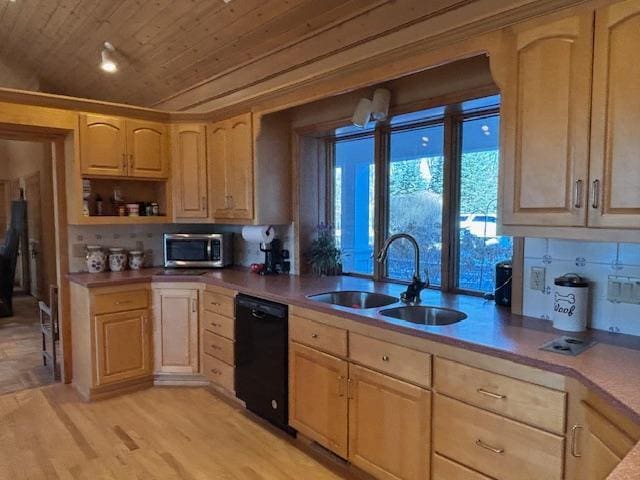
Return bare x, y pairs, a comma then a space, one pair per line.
355, 299
425, 315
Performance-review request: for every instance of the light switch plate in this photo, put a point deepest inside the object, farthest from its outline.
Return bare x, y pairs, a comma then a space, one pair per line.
623, 289
537, 279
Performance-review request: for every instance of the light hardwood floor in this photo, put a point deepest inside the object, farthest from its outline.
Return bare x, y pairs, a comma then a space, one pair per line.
160, 433
20, 346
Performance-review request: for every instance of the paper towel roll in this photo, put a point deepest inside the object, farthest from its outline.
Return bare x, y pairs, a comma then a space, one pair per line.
258, 233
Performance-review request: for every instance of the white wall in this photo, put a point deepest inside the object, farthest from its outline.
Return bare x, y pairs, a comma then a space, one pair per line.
150, 237
593, 260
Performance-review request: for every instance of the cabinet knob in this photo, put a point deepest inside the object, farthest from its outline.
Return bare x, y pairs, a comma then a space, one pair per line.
385, 358
314, 335
215, 371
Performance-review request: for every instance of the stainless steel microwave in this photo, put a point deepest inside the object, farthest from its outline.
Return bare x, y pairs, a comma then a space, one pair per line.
184, 250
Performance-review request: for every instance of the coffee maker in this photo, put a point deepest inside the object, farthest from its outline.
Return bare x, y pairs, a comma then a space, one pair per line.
273, 254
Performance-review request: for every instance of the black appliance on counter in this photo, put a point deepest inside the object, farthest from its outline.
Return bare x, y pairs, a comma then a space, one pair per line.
261, 355
504, 274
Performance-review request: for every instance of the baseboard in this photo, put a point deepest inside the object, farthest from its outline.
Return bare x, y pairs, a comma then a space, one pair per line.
179, 380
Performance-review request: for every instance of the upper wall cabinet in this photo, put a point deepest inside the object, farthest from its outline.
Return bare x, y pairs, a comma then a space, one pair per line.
546, 123
615, 138
238, 172
570, 85
189, 156
117, 147
231, 173
102, 145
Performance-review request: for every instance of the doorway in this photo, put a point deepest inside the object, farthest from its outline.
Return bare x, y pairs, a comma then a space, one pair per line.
28, 336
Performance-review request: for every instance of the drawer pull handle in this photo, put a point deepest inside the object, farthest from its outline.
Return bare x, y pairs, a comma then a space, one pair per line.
215, 347
215, 304
122, 302
574, 441
314, 335
215, 371
385, 358
213, 324
481, 444
497, 396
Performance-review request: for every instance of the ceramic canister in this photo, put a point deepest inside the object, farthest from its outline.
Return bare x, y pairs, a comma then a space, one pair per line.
117, 259
96, 259
570, 303
136, 259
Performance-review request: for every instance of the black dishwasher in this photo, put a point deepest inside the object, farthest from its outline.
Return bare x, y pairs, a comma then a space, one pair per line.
261, 354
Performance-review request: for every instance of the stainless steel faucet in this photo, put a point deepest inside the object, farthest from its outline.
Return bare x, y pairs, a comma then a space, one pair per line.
412, 295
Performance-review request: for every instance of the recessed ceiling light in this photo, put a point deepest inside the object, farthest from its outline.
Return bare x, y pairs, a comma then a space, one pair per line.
107, 63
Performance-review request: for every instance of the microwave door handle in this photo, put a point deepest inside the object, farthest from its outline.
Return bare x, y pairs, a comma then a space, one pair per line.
209, 250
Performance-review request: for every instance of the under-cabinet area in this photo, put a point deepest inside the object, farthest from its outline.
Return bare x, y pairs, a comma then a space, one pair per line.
388, 403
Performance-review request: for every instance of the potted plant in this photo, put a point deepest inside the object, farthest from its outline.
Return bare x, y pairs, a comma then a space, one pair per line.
324, 257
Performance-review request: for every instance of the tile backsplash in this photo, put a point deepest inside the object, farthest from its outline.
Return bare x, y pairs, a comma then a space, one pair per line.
149, 239
593, 260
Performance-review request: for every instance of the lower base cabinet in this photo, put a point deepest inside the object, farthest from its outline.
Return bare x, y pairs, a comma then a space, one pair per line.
495, 445
123, 347
389, 426
318, 406
445, 469
378, 423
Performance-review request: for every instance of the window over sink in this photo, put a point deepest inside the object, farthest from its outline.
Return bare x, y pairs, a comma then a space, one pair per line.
433, 174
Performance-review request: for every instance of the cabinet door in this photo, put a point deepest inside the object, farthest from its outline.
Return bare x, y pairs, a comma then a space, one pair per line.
240, 170
600, 444
217, 164
102, 146
389, 426
147, 149
175, 330
122, 346
231, 168
190, 171
545, 125
318, 397
615, 136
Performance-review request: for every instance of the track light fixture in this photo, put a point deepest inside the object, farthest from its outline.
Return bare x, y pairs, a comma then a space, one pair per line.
377, 108
107, 63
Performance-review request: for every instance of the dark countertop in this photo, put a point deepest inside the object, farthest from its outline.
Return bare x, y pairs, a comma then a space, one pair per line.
611, 367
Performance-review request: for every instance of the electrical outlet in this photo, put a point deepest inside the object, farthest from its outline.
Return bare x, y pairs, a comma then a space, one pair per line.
537, 279
623, 289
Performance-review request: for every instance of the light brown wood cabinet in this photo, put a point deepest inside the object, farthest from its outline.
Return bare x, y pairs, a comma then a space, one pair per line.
175, 329
189, 157
615, 135
600, 442
111, 339
123, 346
118, 147
570, 117
231, 168
389, 426
318, 404
379, 423
217, 336
545, 119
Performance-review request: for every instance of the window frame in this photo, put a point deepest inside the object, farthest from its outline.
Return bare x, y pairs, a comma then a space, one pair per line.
452, 121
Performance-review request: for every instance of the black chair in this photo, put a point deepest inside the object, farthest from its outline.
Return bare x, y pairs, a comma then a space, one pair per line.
9, 256
50, 332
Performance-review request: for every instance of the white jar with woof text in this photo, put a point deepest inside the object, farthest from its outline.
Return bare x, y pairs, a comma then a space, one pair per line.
570, 303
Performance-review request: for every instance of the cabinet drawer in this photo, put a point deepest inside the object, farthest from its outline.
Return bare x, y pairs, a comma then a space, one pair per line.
218, 347
523, 401
445, 469
494, 445
218, 324
217, 303
317, 335
120, 301
402, 362
218, 372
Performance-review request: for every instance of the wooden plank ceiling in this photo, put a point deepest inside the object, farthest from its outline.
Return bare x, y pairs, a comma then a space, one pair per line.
168, 46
